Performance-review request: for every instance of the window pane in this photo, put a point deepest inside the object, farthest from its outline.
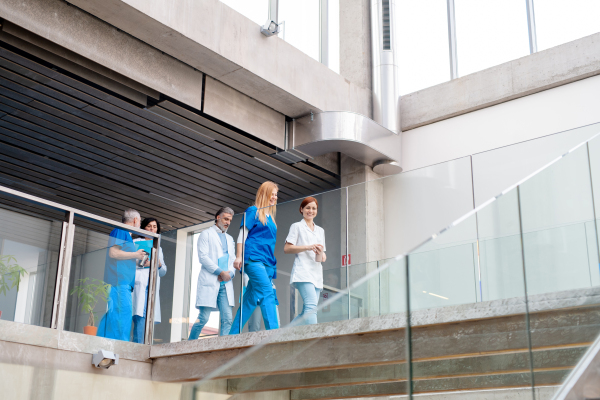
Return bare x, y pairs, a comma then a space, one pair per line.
301, 28
334, 35
490, 32
423, 34
256, 10
561, 21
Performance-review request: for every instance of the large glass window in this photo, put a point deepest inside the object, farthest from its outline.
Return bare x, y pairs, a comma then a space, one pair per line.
423, 35
490, 32
301, 25
561, 21
256, 10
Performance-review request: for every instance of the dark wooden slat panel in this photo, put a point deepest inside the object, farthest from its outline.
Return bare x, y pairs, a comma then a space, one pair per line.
143, 181
16, 96
249, 154
39, 127
31, 130
17, 136
120, 112
216, 127
97, 97
103, 126
93, 121
98, 199
30, 160
334, 181
119, 148
13, 80
127, 162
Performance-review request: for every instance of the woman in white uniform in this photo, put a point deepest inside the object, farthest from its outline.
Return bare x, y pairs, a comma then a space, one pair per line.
307, 241
140, 290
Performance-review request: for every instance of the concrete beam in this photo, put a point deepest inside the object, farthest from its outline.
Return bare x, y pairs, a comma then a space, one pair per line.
534, 73
521, 379
91, 38
230, 48
522, 393
70, 341
555, 328
562, 358
239, 110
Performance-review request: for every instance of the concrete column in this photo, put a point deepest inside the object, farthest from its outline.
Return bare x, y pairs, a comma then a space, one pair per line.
355, 43
365, 231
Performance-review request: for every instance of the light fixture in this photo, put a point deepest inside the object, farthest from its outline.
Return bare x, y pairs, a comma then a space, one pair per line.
104, 359
270, 28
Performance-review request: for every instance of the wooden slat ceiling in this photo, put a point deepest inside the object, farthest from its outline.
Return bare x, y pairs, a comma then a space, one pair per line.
69, 141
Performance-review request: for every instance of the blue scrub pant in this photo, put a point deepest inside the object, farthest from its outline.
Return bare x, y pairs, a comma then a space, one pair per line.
116, 323
139, 323
259, 291
310, 296
225, 311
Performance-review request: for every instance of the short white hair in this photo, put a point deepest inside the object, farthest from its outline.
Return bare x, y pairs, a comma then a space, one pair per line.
130, 214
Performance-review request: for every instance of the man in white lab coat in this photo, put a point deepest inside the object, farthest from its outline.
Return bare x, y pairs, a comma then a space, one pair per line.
216, 252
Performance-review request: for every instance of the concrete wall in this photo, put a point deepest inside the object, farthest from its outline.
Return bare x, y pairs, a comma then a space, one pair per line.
534, 73
239, 110
102, 43
219, 41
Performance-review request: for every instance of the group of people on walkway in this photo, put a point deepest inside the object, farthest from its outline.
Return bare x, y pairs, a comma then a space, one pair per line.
221, 258
254, 254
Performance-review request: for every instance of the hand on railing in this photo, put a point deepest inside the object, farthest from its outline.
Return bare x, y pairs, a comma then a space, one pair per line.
237, 264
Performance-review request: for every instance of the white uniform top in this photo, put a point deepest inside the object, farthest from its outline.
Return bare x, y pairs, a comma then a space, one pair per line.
141, 285
305, 268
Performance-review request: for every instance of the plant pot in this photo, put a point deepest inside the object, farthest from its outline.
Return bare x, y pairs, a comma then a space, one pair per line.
90, 330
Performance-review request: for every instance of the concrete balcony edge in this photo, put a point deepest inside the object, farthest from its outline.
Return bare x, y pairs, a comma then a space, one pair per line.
389, 322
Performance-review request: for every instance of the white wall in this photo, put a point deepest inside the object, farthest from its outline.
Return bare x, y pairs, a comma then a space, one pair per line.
544, 113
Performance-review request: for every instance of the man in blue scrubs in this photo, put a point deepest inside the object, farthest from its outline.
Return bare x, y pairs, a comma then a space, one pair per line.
119, 272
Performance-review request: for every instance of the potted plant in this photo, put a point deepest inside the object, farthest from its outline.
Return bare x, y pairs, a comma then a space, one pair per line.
89, 292
10, 271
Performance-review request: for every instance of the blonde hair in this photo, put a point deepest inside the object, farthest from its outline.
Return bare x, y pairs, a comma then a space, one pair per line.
263, 196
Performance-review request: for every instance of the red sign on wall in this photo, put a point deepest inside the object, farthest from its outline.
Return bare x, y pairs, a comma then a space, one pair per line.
346, 260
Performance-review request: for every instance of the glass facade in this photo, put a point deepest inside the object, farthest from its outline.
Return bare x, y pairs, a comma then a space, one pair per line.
505, 296
561, 21
489, 33
423, 36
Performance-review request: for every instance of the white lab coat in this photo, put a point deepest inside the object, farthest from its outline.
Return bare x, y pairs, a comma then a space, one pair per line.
210, 250
141, 284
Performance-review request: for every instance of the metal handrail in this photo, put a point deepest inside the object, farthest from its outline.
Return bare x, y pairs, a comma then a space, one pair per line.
77, 211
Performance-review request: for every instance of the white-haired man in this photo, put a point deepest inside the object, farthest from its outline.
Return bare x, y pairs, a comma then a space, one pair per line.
119, 273
216, 252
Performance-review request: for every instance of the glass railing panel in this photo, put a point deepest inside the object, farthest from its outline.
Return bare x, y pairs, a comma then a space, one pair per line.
30, 235
500, 255
458, 341
108, 281
561, 263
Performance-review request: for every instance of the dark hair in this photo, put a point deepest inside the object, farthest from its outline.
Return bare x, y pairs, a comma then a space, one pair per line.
147, 221
307, 201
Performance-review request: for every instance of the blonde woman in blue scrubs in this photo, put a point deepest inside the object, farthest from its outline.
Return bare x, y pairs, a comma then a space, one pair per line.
259, 258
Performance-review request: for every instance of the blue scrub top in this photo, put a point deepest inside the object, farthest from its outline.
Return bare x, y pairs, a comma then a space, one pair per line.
260, 243
120, 272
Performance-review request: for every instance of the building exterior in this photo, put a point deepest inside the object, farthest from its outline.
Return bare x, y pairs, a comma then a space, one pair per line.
460, 218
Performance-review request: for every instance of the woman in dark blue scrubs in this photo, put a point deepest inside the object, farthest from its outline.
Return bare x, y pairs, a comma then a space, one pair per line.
259, 258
